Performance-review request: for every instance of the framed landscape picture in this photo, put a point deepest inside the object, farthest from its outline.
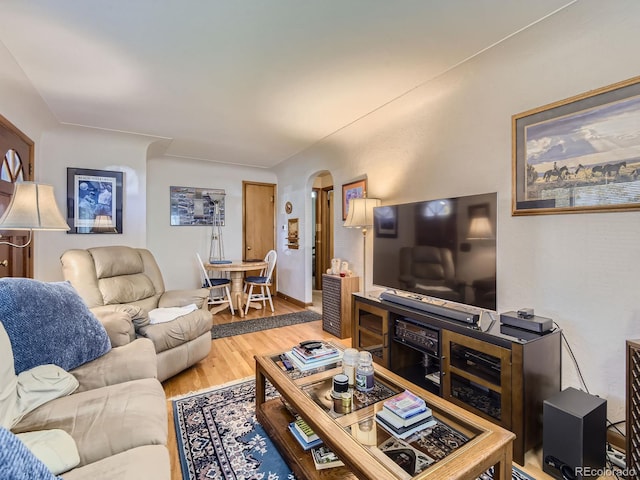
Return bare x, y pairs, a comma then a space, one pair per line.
581, 154
94, 201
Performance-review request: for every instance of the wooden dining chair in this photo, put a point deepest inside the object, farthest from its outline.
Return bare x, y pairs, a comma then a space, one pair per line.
263, 282
218, 287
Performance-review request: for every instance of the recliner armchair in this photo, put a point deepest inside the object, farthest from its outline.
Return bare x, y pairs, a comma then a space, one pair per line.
125, 279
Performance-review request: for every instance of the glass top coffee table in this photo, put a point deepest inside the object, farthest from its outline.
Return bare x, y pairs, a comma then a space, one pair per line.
460, 445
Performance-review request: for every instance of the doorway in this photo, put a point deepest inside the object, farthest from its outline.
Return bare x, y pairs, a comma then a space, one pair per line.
322, 205
17, 166
258, 222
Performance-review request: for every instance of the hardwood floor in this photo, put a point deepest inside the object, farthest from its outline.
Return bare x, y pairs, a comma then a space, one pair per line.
231, 359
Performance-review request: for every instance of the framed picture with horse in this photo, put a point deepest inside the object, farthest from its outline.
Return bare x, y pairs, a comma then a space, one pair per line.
581, 154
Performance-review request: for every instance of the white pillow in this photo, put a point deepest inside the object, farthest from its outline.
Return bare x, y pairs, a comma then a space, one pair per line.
55, 448
40, 385
20, 394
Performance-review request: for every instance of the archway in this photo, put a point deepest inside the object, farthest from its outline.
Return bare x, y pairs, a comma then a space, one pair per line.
322, 205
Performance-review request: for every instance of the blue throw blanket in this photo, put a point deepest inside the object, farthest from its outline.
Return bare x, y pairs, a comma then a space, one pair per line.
18, 463
49, 323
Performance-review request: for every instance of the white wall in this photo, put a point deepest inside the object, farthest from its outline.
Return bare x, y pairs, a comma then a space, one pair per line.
175, 247
79, 147
20, 103
58, 147
452, 136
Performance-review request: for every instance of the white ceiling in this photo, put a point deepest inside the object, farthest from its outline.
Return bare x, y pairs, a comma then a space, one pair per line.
248, 82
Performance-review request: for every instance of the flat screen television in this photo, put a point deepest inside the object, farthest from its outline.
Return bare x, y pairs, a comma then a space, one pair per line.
441, 248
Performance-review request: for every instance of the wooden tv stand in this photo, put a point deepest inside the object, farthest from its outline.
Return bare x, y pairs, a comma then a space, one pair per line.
497, 372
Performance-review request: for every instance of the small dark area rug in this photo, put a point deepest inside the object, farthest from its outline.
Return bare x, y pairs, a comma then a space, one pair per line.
218, 436
265, 323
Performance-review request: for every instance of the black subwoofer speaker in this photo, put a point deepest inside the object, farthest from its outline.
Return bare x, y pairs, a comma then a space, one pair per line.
574, 435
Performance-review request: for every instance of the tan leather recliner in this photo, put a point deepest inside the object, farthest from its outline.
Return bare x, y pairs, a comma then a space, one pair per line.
120, 278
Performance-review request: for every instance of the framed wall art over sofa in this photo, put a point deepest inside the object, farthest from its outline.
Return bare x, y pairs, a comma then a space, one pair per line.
94, 200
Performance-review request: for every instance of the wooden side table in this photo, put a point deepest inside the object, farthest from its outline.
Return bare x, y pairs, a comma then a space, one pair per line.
337, 303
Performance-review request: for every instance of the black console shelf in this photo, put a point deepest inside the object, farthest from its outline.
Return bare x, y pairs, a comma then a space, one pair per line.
500, 374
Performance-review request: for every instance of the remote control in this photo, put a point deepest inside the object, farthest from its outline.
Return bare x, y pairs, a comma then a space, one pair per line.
286, 362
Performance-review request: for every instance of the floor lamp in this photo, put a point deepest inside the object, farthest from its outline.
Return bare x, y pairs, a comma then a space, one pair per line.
360, 215
32, 207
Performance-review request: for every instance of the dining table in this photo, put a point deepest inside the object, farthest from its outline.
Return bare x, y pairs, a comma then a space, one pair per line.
237, 269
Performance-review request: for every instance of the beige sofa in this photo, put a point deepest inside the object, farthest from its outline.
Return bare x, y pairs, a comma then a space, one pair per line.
120, 278
104, 419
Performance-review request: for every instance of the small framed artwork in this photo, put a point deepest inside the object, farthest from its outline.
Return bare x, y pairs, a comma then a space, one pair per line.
292, 234
94, 201
579, 154
196, 206
352, 190
385, 221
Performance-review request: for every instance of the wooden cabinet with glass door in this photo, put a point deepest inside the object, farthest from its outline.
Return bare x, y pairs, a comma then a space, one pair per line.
371, 331
477, 376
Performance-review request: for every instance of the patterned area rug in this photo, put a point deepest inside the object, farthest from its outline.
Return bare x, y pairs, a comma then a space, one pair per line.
218, 436
265, 323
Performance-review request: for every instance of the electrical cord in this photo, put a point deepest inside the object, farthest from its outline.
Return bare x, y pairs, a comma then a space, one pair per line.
573, 358
614, 425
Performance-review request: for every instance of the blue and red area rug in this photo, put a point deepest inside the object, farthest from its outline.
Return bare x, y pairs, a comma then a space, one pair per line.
219, 437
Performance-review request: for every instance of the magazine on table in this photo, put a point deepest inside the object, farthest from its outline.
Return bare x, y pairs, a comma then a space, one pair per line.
308, 354
300, 365
323, 458
406, 432
411, 460
399, 422
405, 404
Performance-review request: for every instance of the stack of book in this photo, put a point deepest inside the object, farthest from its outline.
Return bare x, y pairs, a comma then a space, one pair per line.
404, 415
305, 358
303, 433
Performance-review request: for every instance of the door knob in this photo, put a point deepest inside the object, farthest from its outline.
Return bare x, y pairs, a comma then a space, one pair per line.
4, 263
248, 248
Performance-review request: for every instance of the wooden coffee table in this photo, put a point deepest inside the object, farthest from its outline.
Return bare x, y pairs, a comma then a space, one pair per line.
358, 440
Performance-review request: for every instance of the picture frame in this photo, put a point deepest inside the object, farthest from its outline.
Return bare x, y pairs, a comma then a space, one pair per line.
94, 200
385, 221
196, 206
357, 189
579, 155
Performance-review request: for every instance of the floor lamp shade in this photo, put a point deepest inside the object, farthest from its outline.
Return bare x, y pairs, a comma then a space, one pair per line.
33, 207
360, 215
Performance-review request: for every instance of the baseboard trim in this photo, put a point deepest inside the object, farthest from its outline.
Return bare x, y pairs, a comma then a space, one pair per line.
295, 301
